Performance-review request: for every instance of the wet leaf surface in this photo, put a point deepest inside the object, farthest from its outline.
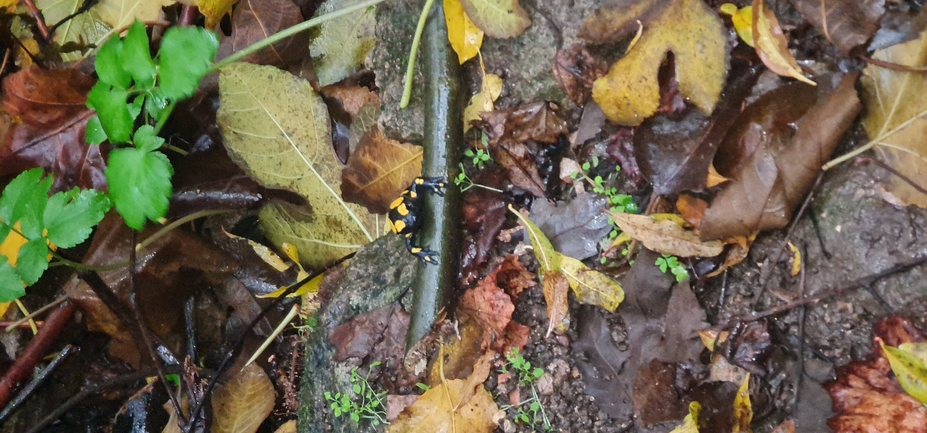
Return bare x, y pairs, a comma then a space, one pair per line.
254, 20
379, 334
242, 404
850, 23
491, 303
379, 170
573, 228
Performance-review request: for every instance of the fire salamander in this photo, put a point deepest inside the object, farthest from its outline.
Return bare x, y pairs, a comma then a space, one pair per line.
405, 214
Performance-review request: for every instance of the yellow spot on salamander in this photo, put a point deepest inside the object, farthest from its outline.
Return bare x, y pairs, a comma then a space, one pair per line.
397, 226
402, 209
396, 203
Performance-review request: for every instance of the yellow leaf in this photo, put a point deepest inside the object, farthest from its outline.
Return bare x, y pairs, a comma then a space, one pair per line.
714, 178
277, 128
85, 28
120, 13
482, 102
547, 257
242, 404
742, 20
909, 363
464, 36
214, 10
771, 45
591, 287
461, 405
694, 34
690, 423
796, 260
895, 121
343, 43
666, 237
497, 18
710, 336
8, 5
743, 410
554, 284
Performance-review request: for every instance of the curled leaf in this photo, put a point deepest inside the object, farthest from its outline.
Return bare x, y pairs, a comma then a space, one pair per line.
665, 237
771, 45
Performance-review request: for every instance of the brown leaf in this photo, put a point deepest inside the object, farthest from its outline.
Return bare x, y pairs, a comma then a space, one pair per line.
664, 236
690, 30
453, 405
242, 404
574, 228
772, 166
483, 216
850, 23
771, 45
556, 288
52, 105
379, 170
575, 69
610, 26
866, 396
255, 20
491, 305
379, 334
510, 130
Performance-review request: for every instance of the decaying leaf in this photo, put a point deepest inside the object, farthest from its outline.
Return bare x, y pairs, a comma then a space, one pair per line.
482, 101
690, 30
771, 45
743, 410
589, 286
491, 303
909, 363
497, 18
575, 69
850, 23
379, 170
574, 228
253, 21
865, 395
665, 237
556, 287
379, 334
690, 423
895, 121
242, 404
214, 10
454, 405
771, 162
86, 28
120, 13
465, 37
52, 106
343, 43
277, 127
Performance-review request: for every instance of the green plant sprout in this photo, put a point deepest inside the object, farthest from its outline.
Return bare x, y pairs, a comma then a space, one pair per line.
362, 403
617, 203
464, 182
526, 377
671, 263
479, 158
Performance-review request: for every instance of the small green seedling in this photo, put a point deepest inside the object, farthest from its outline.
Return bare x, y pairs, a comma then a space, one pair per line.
617, 203
671, 263
362, 403
530, 410
464, 182
479, 158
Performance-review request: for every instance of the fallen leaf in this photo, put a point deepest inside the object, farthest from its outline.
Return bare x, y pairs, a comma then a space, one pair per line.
497, 18
120, 13
556, 289
214, 10
574, 228
772, 166
483, 217
895, 121
52, 104
690, 30
452, 405
491, 302
255, 20
787, 426
378, 334
263, 117
287, 427
589, 286
655, 395
84, 29
743, 410
547, 257
865, 395
690, 423
379, 170
344, 42
665, 237
909, 363
241, 405
465, 37
691, 209
771, 45
795, 260
850, 23
482, 102
575, 69
742, 19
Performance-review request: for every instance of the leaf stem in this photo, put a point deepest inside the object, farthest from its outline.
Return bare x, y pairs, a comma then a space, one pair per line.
61, 261
303, 26
410, 69
167, 229
873, 143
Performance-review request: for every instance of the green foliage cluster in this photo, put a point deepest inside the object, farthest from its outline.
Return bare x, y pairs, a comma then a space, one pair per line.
618, 203
529, 411
669, 263
65, 219
362, 403
132, 83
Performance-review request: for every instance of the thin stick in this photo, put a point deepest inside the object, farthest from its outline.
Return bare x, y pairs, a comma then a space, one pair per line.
907, 180
35, 313
38, 380
893, 66
303, 26
270, 338
181, 221
39, 19
410, 69
25, 311
846, 157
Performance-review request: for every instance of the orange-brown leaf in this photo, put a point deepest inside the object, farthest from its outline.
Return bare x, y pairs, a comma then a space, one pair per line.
379, 170
771, 45
556, 288
242, 404
490, 303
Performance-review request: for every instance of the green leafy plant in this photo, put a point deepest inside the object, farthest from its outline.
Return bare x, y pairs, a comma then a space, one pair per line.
669, 263
63, 220
362, 403
132, 84
618, 203
529, 411
464, 182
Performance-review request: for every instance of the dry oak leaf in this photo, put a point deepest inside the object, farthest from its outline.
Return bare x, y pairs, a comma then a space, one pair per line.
456, 405
379, 170
771, 45
697, 38
497, 18
464, 36
242, 404
52, 107
665, 237
490, 302
895, 121
867, 398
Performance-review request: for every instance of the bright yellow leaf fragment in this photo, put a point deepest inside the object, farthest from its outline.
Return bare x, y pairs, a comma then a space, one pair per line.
214, 10
742, 20
743, 410
482, 102
464, 36
690, 423
498, 18
796, 260
8, 5
909, 363
694, 34
771, 45
589, 286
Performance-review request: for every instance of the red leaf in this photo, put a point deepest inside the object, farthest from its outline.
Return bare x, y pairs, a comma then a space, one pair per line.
490, 303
